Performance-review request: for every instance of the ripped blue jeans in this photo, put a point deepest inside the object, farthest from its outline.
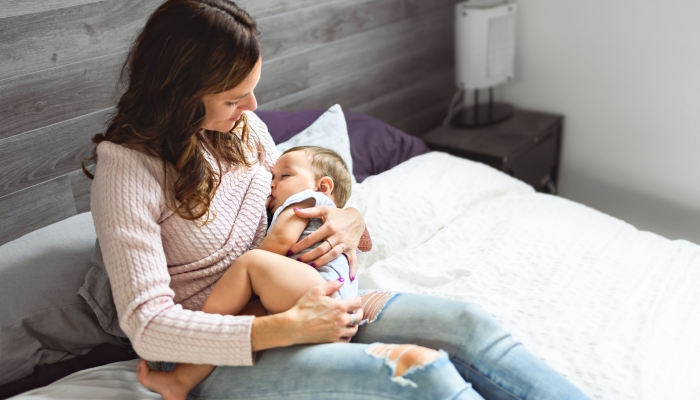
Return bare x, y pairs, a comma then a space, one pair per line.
477, 360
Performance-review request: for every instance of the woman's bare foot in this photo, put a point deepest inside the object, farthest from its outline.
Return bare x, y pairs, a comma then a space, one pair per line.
165, 384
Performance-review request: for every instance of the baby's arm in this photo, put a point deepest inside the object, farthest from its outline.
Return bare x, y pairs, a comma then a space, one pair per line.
287, 229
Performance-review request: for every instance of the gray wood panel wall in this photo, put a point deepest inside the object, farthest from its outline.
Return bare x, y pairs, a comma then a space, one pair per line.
60, 59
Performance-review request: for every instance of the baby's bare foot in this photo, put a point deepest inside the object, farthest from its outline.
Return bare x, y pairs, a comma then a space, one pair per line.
165, 384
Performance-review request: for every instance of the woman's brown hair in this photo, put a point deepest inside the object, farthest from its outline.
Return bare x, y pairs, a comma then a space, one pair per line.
187, 49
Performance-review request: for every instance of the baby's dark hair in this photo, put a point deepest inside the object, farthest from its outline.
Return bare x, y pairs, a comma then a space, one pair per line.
326, 162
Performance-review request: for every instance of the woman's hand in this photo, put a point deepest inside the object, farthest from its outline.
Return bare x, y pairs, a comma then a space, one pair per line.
318, 318
315, 318
340, 233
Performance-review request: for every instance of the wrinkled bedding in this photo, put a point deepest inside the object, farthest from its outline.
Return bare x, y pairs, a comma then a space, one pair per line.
614, 309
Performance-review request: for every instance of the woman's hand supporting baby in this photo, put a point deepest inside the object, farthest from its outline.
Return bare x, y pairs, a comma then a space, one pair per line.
343, 228
315, 318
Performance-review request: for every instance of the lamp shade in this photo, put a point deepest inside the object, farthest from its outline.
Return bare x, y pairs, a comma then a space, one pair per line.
484, 43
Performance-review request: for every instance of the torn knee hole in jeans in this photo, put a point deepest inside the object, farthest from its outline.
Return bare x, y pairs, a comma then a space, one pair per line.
403, 359
372, 305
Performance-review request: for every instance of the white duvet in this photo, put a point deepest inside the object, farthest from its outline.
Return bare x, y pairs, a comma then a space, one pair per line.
614, 309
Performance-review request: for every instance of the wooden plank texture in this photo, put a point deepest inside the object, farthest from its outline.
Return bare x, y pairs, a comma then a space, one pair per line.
41, 34
259, 9
323, 64
34, 42
13, 8
416, 7
60, 60
400, 104
48, 152
32, 101
424, 121
87, 29
372, 82
256, 8
287, 34
284, 34
80, 185
35, 207
50, 96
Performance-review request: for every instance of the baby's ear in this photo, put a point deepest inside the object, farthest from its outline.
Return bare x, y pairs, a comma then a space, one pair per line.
325, 185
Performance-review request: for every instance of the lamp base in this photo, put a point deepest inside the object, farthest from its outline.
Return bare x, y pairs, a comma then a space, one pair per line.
482, 115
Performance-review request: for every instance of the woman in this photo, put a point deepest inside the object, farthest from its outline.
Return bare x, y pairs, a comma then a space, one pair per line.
179, 193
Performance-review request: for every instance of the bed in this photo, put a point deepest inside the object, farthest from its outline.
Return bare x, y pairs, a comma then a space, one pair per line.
614, 309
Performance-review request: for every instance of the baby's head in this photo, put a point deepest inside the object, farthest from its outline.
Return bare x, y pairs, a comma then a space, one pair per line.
310, 168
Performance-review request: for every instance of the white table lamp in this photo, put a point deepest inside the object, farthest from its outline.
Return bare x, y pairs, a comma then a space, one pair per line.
484, 58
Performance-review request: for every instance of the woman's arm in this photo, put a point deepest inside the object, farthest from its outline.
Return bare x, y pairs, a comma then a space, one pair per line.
127, 201
342, 227
316, 318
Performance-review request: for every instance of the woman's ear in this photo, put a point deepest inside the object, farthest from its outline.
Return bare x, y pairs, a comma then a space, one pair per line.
325, 185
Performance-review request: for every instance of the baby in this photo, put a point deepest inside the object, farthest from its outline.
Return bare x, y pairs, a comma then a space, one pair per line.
303, 177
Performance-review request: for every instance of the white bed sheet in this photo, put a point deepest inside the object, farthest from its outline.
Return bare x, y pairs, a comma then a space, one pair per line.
614, 309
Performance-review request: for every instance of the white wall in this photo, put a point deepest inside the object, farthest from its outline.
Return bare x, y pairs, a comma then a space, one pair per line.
626, 75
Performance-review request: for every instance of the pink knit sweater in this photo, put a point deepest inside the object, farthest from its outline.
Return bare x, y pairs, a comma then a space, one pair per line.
162, 267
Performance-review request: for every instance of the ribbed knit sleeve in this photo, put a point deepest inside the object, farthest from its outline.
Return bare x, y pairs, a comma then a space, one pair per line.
128, 202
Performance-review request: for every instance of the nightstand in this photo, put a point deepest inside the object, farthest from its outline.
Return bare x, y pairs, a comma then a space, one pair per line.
526, 146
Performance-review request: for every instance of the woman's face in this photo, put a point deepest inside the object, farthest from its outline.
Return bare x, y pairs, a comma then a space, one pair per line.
222, 110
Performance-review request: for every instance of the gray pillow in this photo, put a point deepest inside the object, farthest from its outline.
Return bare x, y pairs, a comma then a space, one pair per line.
42, 318
98, 293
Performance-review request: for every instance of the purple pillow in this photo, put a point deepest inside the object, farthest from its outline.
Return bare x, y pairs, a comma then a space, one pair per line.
375, 145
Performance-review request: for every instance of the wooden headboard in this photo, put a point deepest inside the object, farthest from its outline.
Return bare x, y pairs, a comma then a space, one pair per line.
59, 62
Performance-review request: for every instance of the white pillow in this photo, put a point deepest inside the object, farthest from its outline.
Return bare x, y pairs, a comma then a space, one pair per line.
329, 131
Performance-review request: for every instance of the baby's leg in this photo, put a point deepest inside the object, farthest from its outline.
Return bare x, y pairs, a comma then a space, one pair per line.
278, 280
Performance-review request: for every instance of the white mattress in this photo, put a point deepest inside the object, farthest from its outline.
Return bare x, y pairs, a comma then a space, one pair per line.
614, 309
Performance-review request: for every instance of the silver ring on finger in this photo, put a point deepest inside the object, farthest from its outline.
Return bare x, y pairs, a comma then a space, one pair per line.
329, 242
354, 320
